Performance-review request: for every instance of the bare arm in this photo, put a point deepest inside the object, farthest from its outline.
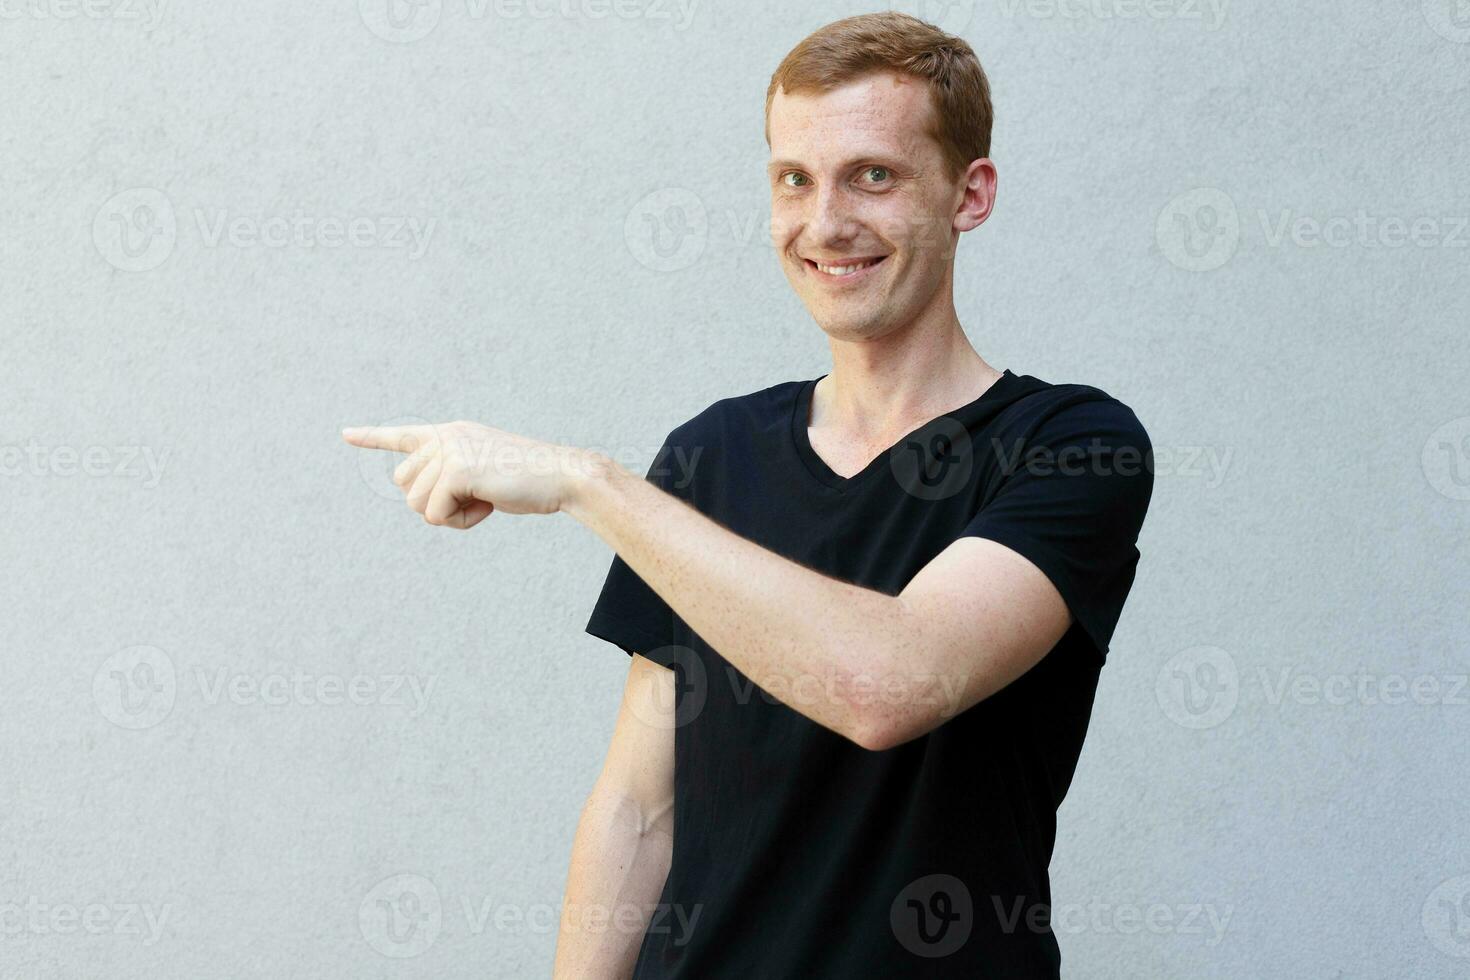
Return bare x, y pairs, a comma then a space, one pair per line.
875, 668
624, 841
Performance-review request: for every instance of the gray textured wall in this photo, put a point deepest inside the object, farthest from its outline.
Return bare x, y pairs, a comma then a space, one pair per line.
245, 688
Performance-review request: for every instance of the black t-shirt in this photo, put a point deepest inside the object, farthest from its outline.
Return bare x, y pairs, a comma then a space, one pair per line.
798, 853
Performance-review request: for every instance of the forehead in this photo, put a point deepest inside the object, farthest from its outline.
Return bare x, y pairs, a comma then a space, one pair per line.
884, 112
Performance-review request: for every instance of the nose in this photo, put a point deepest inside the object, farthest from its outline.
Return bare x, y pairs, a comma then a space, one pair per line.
831, 223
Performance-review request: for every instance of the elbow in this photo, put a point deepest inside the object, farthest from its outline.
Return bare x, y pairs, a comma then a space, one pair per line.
889, 688
876, 742
869, 739
881, 731
887, 715
889, 696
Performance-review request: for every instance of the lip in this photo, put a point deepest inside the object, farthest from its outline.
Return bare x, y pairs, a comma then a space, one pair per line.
851, 277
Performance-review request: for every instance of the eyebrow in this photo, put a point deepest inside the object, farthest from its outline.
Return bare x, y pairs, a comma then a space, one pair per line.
883, 157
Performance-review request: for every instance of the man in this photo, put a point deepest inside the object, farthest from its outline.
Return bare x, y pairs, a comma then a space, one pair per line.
866, 627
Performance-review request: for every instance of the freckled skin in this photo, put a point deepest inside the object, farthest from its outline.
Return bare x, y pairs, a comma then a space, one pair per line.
909, 217
969, 622
900, 356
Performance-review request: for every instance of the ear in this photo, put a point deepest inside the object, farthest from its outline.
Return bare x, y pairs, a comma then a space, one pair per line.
978, 185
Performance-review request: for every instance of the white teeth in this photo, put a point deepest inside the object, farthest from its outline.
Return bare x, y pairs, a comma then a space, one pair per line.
843, 270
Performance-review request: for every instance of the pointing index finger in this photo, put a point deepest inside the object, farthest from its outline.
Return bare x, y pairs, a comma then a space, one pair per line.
394, 438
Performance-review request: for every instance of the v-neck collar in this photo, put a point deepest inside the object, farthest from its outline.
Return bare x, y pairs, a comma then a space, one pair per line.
825, 475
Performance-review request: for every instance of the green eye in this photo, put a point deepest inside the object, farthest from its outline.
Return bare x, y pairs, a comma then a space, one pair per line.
882, 173
791, 176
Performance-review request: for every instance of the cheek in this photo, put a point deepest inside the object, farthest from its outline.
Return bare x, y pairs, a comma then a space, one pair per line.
786, 222
908, 222
890, 218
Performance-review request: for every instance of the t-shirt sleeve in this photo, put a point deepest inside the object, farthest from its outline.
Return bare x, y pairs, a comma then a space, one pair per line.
1072, 501
628, 613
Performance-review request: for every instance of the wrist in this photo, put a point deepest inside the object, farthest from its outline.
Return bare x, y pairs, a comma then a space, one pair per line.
586, 473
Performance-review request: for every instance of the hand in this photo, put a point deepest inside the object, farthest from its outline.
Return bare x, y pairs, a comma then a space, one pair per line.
457, 473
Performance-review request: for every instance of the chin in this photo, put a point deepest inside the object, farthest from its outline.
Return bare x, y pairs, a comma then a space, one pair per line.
840, 327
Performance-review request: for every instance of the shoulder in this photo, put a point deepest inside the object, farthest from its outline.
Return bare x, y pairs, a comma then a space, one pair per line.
726, 437
736, 414
1076, 450
1070, 411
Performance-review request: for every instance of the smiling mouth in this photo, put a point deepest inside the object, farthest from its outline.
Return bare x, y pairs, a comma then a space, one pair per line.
845, 270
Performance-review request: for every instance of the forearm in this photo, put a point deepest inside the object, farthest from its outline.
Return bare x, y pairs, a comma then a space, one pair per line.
620, 861
822, 646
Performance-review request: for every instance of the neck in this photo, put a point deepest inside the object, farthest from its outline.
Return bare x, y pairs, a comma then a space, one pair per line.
903, 379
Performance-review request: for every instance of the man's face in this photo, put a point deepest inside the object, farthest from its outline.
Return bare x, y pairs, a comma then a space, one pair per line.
857, 181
